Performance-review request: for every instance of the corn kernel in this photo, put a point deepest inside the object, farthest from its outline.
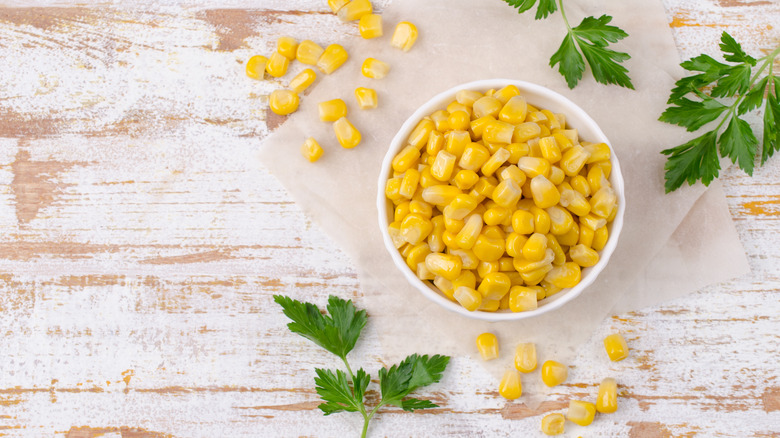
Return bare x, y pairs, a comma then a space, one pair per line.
302, 80
495, 161
355, 10
392, 190
287, 46
606, 402
606, 167
489, 305
440, 120
470, 299
370, 26
255, 66
514, 111
545, 193
549, 289
445, 286
592, 221
581, 412
506, 93
332, 110
423, 273
554, 373
583, 256
514, 244
553, 424
417, 255
556, 175
573, 160
603, 201
525, 266
456, 142
277, 65
510, 387
575, 202
550, 149
512, 172
506, 264
311, 150
494, 285
468, 235
586, 237
495, 215
366, 98
478, 125
443, 166
542, 220
597, 179
374, 68
525, 357
498, 132
409, 185
467, 97
535, 248
440, 194
580, 184
561, 220
308, 52
572, 237
565, 276
444, 265
616, 347
474, 156
404, 36
522, 299
487, 106
283, 102
466, 277
487, 345
523, 222
333, 57
346, 133
559, 257
401, 210
415, 228
460, 207
507, 193
598, 152
600, 237
405, 159
534, 166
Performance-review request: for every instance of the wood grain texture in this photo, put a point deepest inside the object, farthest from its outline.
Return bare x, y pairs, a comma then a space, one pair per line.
141, 247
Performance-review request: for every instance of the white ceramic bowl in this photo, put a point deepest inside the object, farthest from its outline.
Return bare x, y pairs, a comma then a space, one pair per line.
538, 96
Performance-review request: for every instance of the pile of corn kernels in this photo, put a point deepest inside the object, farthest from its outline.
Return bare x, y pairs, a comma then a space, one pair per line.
499, 203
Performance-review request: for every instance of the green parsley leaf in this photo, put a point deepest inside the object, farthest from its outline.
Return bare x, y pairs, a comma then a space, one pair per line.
706, 64
412, 404
569, 60
334, 389
754, 97
337, 333
546, 7
735, 81
692, 161
738, 143
771, 142
521, 5
413, 372
733, 50
693, 114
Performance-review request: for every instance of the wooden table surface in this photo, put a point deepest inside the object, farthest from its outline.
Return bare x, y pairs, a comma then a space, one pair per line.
141, 245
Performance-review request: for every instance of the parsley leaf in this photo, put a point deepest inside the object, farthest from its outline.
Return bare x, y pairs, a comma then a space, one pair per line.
693, 107
345, 392
570, 63
546, 8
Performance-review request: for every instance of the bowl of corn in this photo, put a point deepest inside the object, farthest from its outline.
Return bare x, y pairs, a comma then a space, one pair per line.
500, 200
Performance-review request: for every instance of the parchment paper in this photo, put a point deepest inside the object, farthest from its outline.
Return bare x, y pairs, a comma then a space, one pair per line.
666, 249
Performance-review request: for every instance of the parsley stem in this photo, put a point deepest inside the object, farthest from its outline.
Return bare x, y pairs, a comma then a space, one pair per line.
563, 14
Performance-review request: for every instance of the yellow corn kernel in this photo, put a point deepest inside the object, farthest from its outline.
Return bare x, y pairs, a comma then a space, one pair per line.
514, 244
514, 111
600, 237
409, 184
452, 225
332, 110
444, 265
421, 133
458, 120
440, 194
522, 299
469, 261
526, 131
575, 202
467, 97
468, 235
550, 150
487, 106
335, 5
449, 239
538, 117
583, 256
535, 248
606, 167
592, 221
559, 257
283, 102
470, 299
443, 166
567, 275
487, 345
287, 46
525, 266
474, 156
506, 93
573, 160
541, 220
485, 186
586, 237
516, 151
419, 206
478, 125
311, 150
255, 66
423, 273
489, 248
523, 222
366, 98
494, 285
536, 276
597, 179
572, 237
404, 36
549, 288
534, 166
394, 230
405, 159
544, 192
417, 255
302, 80
460, 206
370, 26
490, 230
427, 180
374, 68
445, 286
553, 424
556, 175
525, 357
277, 65
616, 347
554, 373
355, 10
455, 142
498, 132
465, 179
506, 264
580, 184
346, 133
564, 143
489, 305
581, 412
401, 210
598, 152
415, 228
561, 220
393, 190
495, 215
603, 201
507, 193
308, 52
457, 106
435, 142
512, 172
495, 161
606, 402
510, 387
333, 57
440, 118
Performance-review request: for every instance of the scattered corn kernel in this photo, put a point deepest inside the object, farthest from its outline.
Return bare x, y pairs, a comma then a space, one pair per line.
487, 344
332, 58
308, 52
302, 80
346, 133
283, 102
616, 347
374, 68
332, 110
510, 387
525, 357
354, 10
255, 66
370, 26
581, 412
554, 373
606, 401
553, 424
311, 150
287, 46
335, 5
277, 65
404, 36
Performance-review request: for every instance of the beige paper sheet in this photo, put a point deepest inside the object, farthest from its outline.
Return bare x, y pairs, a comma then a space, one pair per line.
465, 40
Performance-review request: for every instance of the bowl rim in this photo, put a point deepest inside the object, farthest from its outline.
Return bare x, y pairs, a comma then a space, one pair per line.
567, 107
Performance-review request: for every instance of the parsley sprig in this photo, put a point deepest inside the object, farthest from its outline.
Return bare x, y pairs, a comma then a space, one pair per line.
739, 84
587, 41
338, 334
